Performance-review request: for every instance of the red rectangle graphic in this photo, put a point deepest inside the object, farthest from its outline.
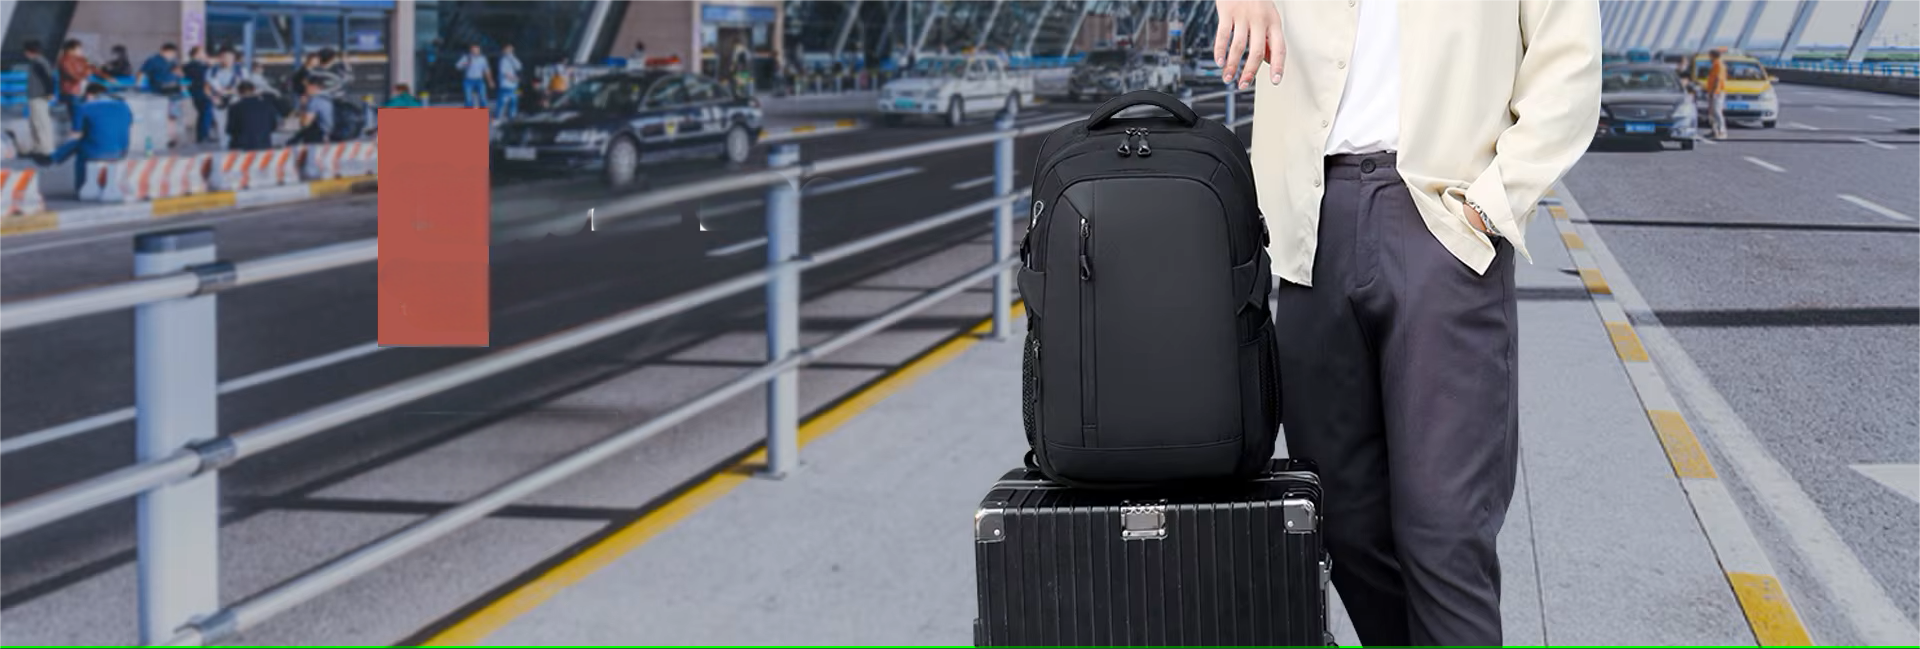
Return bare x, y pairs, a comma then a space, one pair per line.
434, 227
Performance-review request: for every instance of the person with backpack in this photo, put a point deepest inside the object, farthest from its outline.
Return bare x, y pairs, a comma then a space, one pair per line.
1399, 149
251, 120
316, 116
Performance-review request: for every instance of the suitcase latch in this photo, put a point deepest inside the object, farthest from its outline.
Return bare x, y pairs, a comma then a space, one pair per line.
1300, 516
1143, 522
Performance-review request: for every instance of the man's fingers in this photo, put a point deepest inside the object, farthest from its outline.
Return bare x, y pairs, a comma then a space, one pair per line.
1256, 52
1236, 53
1277, 46
1222, 34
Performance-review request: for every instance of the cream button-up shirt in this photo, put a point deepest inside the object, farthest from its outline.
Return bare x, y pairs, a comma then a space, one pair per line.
1498, 98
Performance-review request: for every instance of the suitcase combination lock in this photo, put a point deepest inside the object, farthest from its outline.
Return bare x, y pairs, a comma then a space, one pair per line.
1143, 522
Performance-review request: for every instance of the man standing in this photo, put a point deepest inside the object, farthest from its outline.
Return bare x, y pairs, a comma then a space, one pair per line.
40, 85
75, 71
1399, 148
223, 81
251, 120
1716, 87
509, 103
477, 78
104, 132
638, 59
316, 115
195, 70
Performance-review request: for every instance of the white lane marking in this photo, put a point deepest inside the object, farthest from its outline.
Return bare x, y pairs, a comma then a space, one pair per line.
1871, 143
145, 225
1803, 127
1764, 164
1854, 591
1903, 479
1039, 117
737, 248
970, 184
1826, 108
850, 183
1708, 141
819, 132
1876, 208
1882, 118
78, 426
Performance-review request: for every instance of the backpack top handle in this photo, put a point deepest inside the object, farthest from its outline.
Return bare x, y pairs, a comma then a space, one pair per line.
1155, 98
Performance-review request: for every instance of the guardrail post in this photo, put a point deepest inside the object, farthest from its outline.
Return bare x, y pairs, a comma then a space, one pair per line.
1233, 92
176, 398
783, 316
1003, 226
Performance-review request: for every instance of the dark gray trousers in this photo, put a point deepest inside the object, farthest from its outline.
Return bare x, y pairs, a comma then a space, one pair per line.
1398, 377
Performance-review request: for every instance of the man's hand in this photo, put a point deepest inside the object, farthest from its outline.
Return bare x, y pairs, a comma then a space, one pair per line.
1249, 30
1473, 217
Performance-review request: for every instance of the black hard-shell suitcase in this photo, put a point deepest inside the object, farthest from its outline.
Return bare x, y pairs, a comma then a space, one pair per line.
1221, 565
1150, 354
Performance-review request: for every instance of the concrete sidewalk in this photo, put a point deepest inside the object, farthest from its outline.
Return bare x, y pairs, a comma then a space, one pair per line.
869, 542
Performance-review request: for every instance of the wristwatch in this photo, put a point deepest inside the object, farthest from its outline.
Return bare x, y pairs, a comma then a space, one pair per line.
1484, 219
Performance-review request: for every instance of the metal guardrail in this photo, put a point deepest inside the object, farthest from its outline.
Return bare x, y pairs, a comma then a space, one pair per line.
1879, 69
181, 450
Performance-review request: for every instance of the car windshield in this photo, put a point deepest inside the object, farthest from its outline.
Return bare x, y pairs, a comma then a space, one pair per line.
1108, 57
600, 94
937, 67
1638, 80
1736, 70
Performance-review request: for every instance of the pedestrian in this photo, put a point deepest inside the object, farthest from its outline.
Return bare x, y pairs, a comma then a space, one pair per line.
1398, 151
104, 132
334, 72
75, 73
403, 97
40, 90
118, 66
638, 59
194, 73
297, 82
1716, 87
223, 85
476, 78
316, 115
251, 119
508, 105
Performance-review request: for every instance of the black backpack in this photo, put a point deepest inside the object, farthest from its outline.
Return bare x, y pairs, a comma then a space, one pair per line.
1150, 353
349, 120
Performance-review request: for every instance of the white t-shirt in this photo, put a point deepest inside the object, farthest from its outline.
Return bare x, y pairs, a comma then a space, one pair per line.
1368, 120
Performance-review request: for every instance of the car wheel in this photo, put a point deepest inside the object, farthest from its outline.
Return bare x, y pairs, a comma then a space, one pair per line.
623, 161
739, 144
890, 119
1769, 123
956, 111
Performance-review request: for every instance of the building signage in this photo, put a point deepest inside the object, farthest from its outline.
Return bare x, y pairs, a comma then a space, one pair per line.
737, 14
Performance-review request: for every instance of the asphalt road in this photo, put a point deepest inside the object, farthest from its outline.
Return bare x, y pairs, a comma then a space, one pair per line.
83, 367
1784, 263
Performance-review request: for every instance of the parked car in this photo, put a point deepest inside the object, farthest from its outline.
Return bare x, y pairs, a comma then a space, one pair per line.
954, 87
1645, 102
618, 122
1750, 94
1106, 73
1163, 73
1202, 72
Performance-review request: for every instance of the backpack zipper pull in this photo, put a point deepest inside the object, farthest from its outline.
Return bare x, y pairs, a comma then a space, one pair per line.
1086, 265
1143, 150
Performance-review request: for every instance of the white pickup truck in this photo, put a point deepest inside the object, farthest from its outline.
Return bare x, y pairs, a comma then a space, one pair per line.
953, 88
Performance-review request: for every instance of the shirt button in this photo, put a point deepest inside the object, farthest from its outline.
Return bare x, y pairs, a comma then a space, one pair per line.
1316, 182
1342, 65
1350, 3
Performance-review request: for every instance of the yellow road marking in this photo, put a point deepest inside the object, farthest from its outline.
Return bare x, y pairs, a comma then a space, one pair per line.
12, 225
807, 128
1573, 241
1774, 622
528, 596
1626, 343
1683, 448
192, 203
1594, 281
333, 186
1557, 211
847, 123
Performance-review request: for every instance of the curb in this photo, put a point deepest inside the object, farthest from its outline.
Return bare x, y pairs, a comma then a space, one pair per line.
811, 130
1770, 614
179, 205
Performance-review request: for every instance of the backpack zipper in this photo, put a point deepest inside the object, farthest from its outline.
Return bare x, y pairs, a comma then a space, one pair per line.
1088, 387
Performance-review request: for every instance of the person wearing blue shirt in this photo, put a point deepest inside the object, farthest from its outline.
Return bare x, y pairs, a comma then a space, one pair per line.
477, 78
161, 73
105, 131
509, 104
316, 115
